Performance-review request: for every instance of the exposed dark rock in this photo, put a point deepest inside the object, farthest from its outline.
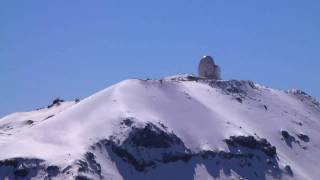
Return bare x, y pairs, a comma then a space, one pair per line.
235, 88
265, 107
252, 143
298, 123
10, 162
239, 100
141, 164
82, 177
207, 154
152, 146
83, 166
48, 117
25, 168
167, 158
193, 78
163, 126
187, 78
241, 162
128, 122
152, 137
29, 122
144, 158
66, 170
129, 158
289, 139
289, 170
53, 171
56, 102
138, 148
232, 155
231, 87
305, 97
303, 137
94, 165
21, 172
285, 134
20, 168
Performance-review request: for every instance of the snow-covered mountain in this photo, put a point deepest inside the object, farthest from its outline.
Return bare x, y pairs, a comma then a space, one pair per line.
180, 128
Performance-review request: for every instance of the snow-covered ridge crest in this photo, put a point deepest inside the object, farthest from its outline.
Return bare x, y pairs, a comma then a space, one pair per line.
305, 97
148, 129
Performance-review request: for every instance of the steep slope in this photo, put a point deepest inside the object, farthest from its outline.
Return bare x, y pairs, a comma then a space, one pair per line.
180, 127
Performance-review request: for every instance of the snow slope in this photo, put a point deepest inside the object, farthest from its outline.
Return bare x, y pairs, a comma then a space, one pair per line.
180, 127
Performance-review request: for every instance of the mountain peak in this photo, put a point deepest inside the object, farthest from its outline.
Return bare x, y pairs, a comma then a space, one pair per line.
139, 129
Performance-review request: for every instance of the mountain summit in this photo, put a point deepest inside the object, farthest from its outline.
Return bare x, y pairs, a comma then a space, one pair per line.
180, 127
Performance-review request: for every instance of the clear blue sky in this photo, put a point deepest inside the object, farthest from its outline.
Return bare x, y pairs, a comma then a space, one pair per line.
73, 48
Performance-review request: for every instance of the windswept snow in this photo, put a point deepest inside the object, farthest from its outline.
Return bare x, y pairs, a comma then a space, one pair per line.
202, 113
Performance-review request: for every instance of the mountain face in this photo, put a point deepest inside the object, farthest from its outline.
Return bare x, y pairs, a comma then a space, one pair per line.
181, 127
